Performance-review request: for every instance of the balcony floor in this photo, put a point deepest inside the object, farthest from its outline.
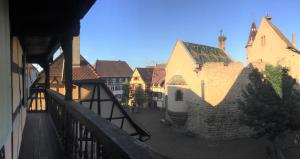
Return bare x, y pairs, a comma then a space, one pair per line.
39, 138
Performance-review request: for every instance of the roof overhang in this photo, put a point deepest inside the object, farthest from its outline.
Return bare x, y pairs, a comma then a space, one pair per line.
39, 24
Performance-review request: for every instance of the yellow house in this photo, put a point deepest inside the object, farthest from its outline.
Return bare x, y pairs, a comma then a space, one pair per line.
202, 86
141, 77
268, 45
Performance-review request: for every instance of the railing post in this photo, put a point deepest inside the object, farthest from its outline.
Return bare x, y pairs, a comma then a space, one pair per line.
47, 85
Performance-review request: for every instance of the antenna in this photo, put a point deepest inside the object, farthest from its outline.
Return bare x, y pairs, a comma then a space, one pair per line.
268, 17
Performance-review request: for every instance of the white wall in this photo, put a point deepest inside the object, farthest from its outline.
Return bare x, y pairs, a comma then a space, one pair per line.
5, 78
18, 95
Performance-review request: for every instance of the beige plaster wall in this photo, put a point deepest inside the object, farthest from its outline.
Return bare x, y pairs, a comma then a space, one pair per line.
274, 51
211, 84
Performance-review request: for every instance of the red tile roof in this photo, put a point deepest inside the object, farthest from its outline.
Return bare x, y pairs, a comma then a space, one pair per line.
84, 72
146, 74
158, 76
107, 68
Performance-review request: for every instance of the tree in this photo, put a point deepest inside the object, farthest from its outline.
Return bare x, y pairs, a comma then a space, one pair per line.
126, 92
139, 96
270, 104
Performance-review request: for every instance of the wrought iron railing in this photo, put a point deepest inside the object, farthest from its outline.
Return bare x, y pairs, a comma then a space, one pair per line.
84, 134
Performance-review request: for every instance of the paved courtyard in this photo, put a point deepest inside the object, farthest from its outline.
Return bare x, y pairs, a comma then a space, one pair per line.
170, 142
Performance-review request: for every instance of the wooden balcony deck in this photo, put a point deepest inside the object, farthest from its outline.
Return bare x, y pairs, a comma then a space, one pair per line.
82, 132
39, 138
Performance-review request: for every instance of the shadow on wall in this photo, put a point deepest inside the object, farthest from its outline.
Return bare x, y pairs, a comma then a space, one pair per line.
205, 120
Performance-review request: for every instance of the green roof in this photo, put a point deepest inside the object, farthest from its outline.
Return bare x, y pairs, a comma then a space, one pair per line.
203, 54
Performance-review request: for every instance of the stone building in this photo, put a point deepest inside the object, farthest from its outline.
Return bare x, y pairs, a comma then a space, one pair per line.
115, 74
268, 45
203, 84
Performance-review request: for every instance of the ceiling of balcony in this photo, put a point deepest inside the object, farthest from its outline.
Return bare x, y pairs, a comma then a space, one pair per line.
40, 23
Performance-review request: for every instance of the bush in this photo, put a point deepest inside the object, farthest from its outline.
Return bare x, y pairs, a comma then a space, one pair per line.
270, 104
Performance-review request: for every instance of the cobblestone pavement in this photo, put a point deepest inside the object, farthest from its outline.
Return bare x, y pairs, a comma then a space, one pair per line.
170, 142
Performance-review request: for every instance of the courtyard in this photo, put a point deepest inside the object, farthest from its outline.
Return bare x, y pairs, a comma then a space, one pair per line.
177, 145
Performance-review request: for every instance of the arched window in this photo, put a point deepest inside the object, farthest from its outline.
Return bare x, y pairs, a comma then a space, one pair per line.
178, 95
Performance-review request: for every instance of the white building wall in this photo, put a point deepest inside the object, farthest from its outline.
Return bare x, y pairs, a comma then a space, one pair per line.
5, 78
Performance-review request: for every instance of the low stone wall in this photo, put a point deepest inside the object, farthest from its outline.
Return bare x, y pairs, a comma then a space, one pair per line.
178, 118
221, 122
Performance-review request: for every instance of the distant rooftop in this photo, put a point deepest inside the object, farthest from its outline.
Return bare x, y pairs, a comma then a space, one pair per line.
146, 74
107, 68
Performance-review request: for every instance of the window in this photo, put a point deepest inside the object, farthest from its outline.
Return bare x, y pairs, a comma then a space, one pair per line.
135, 78
263, 40
178, 95
159, 95
118, 87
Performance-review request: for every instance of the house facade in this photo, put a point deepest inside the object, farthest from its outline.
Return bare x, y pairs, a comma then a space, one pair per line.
202, 86
268, 45
115, 74
158, 86
88, 89
142, 77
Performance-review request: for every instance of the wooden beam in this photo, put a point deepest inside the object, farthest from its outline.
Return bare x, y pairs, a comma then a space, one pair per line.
66, 44
47, 75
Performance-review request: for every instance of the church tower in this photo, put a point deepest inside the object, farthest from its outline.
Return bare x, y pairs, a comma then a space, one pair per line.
221, 40
251, 38
252, 35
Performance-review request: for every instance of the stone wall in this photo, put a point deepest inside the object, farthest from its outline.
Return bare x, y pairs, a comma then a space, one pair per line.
220, 121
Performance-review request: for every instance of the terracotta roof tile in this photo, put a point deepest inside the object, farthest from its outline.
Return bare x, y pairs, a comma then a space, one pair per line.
83, 72
146, 74
158, 76
106, 68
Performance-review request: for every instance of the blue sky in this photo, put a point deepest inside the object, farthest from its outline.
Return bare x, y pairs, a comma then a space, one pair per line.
144, 32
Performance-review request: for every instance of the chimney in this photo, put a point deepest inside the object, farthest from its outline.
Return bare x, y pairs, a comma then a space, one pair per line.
76, 51
222, 40
294, 40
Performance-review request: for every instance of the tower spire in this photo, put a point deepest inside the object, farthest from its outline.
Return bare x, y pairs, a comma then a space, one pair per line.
252, 34
221, 40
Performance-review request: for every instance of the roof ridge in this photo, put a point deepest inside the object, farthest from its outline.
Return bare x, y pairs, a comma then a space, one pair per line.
282, 36
91, 67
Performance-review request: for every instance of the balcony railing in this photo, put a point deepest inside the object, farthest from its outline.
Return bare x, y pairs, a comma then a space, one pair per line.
37, 100
83, 134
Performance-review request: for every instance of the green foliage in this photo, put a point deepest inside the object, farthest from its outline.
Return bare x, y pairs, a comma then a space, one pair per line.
126, 92
274, 76
265, 110
139, 96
